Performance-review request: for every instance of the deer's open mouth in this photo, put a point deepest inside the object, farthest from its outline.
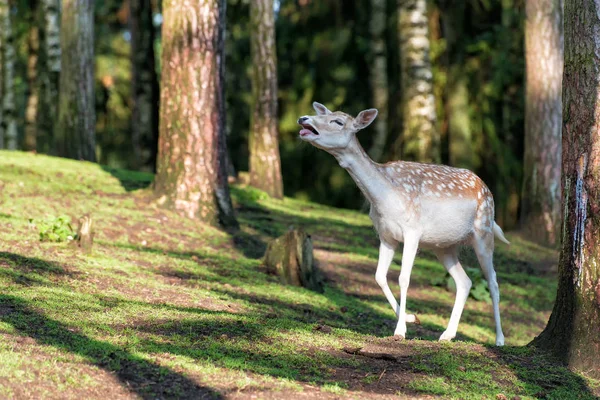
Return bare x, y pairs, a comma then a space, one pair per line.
307, 130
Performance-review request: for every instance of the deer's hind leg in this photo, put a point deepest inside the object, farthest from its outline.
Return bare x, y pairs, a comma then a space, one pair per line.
483, 244
449, 258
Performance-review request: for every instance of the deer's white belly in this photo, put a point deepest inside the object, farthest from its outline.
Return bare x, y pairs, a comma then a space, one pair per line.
439, 224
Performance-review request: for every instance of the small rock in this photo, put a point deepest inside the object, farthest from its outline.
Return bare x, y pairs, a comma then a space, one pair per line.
461, 368
344, 309
224, 336
501, 396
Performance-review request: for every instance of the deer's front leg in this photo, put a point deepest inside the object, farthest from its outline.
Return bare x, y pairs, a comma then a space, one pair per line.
411, 244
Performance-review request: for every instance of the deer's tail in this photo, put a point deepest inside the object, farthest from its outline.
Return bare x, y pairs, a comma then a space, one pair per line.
499, 234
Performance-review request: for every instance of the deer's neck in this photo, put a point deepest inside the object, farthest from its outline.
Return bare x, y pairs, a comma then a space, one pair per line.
365, 173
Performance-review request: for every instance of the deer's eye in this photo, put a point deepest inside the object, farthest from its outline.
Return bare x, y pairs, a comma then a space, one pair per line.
337, 121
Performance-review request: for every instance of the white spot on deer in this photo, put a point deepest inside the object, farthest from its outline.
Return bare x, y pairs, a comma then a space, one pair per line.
408, 188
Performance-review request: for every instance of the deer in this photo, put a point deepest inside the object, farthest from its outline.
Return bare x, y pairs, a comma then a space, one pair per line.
434, 207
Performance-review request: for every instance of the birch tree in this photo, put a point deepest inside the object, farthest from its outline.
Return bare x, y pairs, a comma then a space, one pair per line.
8, 121
421, 141
48, 73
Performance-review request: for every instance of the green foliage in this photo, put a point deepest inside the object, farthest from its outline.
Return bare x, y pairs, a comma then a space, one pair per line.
55, 229
479, 289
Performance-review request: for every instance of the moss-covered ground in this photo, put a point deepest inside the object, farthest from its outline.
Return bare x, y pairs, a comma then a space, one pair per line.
165, 307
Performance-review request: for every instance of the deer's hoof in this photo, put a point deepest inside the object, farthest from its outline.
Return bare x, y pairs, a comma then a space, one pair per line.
446, 337
398, 338
500, 341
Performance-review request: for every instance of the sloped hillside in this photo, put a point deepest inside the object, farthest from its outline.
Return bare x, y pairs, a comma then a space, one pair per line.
166, 307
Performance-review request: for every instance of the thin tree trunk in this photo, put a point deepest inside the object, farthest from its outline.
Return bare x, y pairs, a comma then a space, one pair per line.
379, 77
75, 131
31, 112
573, 331
457, 92
8, 121
421, 141
540, 206
48, 73
145, 92
191, 169
265, 163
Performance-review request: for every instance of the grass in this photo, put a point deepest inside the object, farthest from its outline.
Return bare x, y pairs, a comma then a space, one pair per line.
165, 307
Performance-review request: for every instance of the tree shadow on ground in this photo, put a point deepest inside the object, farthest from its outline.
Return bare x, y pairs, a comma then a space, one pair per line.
130, 180
147, 380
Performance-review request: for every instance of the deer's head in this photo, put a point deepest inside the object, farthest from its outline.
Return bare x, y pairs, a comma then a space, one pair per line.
333, 130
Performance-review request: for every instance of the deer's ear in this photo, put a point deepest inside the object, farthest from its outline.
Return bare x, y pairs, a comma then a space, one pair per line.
321, 109
364, 118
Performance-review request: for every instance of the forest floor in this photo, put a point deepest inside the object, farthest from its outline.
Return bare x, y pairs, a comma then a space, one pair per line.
165, 307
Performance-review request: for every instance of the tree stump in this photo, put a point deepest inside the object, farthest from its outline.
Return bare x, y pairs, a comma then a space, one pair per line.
85, 233
291, 258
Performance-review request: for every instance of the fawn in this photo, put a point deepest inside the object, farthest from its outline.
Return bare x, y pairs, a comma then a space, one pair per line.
434, 206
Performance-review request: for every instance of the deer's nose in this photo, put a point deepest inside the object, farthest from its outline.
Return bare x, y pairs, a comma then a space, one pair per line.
301, 120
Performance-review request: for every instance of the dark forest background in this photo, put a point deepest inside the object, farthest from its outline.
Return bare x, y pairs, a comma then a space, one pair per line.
324, 51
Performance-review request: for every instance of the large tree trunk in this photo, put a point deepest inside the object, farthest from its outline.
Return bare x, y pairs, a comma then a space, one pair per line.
75, 131
48, 73
421, 141
191, 169
144, 82
31, 112
8, 120
573, 331
265, 164
379, 77
540, 206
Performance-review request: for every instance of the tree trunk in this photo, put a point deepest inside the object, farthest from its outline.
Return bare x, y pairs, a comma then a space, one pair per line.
379, 77
144, 82
191, 169
573, 331
48, 73
540, 205
421, 141
8, 121
75, 131
265, 163
31, 112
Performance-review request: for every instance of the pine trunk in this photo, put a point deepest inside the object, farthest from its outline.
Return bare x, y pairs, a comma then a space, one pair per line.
8, 121
31, 112
421, 141
75, 131
379, 77
265, 163
48, 73
540, 206
573, 331
145, 92
191, 169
